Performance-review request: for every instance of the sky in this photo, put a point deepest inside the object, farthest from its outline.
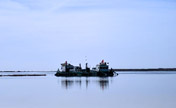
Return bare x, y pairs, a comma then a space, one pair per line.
42, 34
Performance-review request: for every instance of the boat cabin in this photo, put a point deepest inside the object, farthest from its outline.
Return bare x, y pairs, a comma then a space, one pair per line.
65, 67
102, 67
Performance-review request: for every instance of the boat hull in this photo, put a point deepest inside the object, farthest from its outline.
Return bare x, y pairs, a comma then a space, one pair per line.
91, 73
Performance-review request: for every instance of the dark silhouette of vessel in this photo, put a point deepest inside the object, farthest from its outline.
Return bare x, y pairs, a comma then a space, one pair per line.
101, 69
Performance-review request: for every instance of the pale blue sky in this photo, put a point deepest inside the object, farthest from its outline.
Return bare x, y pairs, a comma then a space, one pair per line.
41, 34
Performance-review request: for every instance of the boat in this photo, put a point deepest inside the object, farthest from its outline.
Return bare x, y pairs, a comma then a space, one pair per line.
101, 69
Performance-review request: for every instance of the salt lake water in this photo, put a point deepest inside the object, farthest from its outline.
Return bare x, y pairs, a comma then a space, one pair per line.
127, 90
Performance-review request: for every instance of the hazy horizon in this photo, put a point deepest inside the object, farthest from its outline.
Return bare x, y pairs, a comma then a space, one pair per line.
41, 34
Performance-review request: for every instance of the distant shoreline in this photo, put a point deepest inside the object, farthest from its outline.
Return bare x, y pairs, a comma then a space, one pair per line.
27, 71
147, 69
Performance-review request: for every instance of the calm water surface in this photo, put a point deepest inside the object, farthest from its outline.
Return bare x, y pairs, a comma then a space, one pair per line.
129, 90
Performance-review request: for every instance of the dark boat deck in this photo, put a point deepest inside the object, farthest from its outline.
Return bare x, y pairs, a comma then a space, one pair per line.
84, 74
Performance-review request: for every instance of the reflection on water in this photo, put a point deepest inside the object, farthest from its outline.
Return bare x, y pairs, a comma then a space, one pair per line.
123, 91
69, 83
103, 83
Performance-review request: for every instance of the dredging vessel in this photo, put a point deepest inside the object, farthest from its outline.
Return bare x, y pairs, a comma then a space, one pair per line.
101, 69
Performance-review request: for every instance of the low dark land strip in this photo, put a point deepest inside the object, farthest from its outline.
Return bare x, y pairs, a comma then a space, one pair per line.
27, 71
149, 69
16, 75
